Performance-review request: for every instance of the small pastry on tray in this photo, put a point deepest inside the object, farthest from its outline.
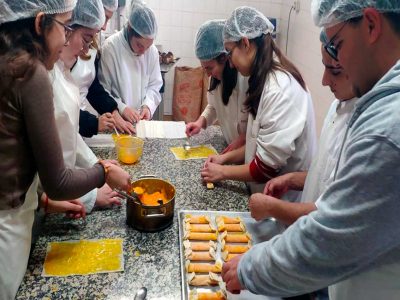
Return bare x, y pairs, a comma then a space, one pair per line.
235, 237
200, 255
240, 227
197, 219
200, 236
203, 267
195, 295
199, 246
200, 227
226, 256
227, 220
235, 248
203, 280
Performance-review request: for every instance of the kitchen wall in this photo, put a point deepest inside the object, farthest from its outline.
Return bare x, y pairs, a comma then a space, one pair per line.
179, 20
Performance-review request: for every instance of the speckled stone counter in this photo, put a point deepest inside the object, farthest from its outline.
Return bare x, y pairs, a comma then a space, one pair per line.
151, 259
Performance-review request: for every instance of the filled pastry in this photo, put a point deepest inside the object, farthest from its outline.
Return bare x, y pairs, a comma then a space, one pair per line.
197, 219
200, 255
203, 267
235, 237
240, 227
200, 227
227, 220
234, 248
203, 280
226, 256
200, 236
199, 246
195, 295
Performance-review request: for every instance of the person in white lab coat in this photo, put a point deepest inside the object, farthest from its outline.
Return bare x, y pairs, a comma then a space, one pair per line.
227, 90
99, 111
351, 241
32, 35
129, 65
280, 134
314, 182
87, 19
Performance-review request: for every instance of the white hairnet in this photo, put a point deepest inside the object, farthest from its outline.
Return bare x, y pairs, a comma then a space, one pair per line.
209, 43
143, 20
89, 13
110, 5
246, 22
327, 13
12, 10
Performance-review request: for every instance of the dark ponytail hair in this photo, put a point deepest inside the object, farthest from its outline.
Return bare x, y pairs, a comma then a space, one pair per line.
229, 79
263, 66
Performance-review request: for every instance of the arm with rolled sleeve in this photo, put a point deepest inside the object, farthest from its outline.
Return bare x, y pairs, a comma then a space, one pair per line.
356, 227
153, 96
282, 121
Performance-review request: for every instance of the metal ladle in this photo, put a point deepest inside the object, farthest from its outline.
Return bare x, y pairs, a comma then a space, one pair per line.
141, 294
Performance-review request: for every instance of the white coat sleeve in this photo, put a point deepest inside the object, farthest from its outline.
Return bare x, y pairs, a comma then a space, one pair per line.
107, 75
89, 200
153, 96
356, 227
209, 113
85, 157
280, 123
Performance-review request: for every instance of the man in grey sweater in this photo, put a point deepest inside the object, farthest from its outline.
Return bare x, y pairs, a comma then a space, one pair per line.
352, 241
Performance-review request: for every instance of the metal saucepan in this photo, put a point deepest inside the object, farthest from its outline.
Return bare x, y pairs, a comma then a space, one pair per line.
150, 218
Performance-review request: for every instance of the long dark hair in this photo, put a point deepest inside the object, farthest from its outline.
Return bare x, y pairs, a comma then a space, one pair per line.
229, 79
21, 48
263, 66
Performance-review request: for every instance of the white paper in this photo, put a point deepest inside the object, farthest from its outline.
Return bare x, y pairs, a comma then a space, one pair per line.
161, 129
100, 140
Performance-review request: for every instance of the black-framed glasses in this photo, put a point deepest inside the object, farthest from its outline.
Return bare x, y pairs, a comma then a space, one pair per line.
68, 29
330, 47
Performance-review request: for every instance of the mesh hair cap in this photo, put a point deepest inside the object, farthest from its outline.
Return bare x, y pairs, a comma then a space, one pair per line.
143, 20
12, 10
327, 13
246, 22
110, 5
89, 13
209, 43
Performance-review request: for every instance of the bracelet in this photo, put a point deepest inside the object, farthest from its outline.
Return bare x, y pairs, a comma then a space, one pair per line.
105, 167
46, 203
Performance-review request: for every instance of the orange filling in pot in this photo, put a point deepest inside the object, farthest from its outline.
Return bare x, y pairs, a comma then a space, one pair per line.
150, 199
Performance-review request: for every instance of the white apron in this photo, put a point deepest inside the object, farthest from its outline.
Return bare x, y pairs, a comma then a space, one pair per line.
84, 73
15, 242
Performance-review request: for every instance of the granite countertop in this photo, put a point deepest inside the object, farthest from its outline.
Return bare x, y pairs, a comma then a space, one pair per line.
150, 259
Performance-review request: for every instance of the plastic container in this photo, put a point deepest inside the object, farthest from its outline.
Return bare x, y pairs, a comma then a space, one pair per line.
129, 149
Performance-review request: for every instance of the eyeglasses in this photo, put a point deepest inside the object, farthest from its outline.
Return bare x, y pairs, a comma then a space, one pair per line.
330, 47
86, 44
229, 53
68, 29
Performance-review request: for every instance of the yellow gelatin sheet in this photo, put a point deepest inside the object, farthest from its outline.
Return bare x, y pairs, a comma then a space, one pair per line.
195, 152
84, 257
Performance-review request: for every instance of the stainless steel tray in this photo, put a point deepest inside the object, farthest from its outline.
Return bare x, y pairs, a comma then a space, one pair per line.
260, 231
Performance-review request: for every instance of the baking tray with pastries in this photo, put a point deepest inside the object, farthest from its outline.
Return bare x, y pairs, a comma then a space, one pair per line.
208, 239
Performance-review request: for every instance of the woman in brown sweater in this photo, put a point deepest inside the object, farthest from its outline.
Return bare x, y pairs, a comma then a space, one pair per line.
32, 35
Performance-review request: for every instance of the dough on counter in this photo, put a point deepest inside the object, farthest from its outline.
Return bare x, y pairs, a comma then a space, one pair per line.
235, 237
197, 219
203, 280
199, 246
203, 267
200, 255
200, 227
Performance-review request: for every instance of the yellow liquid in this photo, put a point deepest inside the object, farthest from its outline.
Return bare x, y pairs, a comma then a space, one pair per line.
196, 152
84, 257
